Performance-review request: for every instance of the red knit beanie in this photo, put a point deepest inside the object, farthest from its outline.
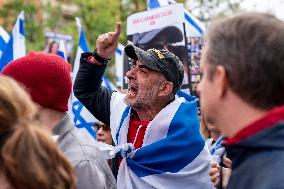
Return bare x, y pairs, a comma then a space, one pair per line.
45, 76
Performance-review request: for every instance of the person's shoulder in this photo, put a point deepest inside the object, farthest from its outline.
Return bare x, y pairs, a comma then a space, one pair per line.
265, 170
85, 140
79, 145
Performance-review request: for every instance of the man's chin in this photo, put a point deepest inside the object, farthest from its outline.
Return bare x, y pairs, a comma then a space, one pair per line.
130, 101
127, 100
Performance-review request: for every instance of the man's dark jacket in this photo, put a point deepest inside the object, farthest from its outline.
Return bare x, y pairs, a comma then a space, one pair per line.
88, 89
258, 161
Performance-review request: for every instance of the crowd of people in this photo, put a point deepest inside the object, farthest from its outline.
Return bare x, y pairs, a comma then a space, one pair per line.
154, 127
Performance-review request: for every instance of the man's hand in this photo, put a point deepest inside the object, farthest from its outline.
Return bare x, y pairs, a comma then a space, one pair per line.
227, 162
107, 42
214, 173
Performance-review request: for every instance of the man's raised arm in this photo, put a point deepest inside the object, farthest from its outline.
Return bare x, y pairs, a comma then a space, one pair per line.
87, 86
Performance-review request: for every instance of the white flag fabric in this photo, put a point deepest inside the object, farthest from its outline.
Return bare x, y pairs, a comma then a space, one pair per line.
193, 27
119, 53
4, 39
62, 50
16, 47
166, 159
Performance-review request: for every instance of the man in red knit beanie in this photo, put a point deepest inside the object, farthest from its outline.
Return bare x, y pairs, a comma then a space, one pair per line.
47, 78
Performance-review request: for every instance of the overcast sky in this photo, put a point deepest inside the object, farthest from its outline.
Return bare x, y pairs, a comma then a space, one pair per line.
272, 6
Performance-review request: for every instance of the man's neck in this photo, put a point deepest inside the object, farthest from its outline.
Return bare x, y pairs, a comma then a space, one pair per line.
149, 112
215, 134
146, 114
239, 117
49, 118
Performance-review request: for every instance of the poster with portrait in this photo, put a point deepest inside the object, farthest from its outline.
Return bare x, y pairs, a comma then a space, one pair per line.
195, 46
53, 39
161, 28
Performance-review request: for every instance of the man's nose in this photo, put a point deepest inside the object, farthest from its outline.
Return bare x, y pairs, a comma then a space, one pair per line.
100, 132
130, 74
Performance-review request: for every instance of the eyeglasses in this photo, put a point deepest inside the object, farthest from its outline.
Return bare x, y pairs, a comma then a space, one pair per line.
97, 126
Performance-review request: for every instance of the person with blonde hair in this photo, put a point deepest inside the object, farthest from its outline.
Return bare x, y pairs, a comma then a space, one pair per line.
47, 79
29, 157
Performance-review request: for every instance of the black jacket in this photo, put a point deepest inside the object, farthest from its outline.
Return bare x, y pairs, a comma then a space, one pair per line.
88, 90
258, 161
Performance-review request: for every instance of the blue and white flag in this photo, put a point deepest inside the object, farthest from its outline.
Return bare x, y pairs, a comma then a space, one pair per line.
173, 154
216, 149
108, 84
193, 27
4, 39
81, 116
119, 53
16, 47
151, 4
62, 50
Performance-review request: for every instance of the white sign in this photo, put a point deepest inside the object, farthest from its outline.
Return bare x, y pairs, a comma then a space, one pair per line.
155, 19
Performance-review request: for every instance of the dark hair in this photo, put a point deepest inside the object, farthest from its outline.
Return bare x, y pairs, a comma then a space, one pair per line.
29, 158
51, 44
250, 47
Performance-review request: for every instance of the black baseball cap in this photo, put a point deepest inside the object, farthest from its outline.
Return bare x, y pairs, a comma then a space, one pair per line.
159, 60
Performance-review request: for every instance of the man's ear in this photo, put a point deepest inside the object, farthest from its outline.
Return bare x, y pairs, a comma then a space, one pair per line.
166, 88
220, 81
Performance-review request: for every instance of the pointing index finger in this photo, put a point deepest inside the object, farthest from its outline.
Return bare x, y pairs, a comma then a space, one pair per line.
118, 28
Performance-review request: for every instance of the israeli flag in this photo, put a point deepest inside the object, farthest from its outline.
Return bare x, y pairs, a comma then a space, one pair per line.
81, 116
151, 4
62, 50
193, 27
4, 39
173, 154
119, 53
16, 47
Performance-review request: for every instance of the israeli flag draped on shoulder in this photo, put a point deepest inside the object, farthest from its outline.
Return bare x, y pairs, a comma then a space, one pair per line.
173, 153
4, 39
16, 47
193, 27
81, 116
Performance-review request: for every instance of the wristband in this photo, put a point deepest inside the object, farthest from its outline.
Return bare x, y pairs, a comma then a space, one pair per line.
99, 58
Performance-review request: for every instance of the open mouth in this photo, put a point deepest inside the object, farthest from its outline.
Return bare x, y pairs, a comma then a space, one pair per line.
132, 88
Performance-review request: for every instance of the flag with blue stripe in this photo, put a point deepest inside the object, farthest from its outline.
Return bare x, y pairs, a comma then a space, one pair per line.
152, 4
16, 47
62, 50
4, 39
173, 154
81, 116
192, 25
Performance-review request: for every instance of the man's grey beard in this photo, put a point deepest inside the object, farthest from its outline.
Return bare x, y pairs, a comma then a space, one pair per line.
145, 98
